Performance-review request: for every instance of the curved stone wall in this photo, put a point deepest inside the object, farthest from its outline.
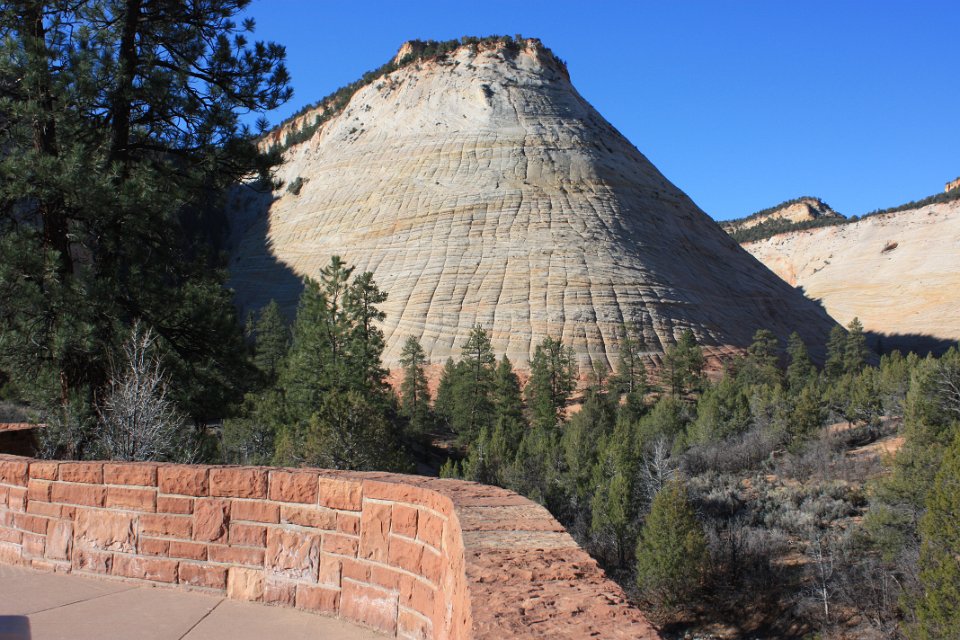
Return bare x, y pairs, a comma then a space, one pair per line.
410, 556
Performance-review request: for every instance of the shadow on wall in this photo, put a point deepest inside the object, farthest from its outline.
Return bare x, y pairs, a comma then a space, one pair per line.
14, 628
256, 275
920, 344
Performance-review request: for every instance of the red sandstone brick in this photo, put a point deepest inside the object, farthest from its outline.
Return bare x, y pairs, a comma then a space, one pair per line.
211, 519
199, 575
153, 546
174, 504
411, 626
322, 599
251, 535
417, 595
31, 523
59, 540
235, 555
282, 593
340, 494
183, 480
431, 565
348, 523
4, 493
368, 605
106, 530
39, 490
256, 511
405, 492
132, 498
44, 509
238, 482
430, 529
166, 525
294, 486
355, 570
385, 577
316, 517
330, 571
10, 535
154, 569
143, 474
44, 470
92, 561
293, 554
405, 554
405, 520
341, 545
374, 527
14, 472
189, 550
33, 544
17, 498
85, 495
86, 472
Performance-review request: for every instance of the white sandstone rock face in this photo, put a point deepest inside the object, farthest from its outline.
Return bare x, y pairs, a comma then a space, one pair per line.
481, 188
899, 273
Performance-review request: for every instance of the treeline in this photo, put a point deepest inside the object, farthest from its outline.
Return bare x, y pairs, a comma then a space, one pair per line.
706, 497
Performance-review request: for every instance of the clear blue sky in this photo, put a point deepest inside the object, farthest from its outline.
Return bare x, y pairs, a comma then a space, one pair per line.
742, 104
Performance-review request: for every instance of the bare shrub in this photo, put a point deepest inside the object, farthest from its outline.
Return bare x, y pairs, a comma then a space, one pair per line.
137, 417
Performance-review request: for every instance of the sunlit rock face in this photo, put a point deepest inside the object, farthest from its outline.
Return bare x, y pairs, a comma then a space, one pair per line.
898, 273
481, 188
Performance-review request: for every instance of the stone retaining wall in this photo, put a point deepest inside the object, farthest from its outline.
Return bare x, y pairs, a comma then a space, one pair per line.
410, 556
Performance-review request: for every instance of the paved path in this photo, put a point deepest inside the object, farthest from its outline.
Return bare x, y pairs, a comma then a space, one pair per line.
45, 606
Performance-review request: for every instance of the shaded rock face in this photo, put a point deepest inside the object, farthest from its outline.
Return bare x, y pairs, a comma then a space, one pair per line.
896, 272
481, 188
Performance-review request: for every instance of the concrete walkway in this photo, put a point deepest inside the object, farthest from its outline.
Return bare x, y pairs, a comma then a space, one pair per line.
45, 606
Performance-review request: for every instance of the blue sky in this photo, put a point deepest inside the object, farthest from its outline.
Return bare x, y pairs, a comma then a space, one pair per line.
742, 104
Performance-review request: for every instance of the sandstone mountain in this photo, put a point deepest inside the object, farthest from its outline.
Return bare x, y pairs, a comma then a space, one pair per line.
480, 188
802, 209
898, 272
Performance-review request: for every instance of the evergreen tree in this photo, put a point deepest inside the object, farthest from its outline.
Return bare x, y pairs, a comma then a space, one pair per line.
443, 405
415, 397
332, 374
855, 351
800, 370
836, 353
508, 405
938, 607
722, 411
631, 375
670, 552
553, 378
760, 364
472, 394
120, 134
683, 364
271, 341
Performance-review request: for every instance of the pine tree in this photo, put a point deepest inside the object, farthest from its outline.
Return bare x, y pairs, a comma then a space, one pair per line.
415, 397
683, 364
836, 350
552, 379
332, 369
472, 394
938, 606
760, 364
631, 375
800, 370
271, 341
120, 134
855, 350
670, 552
446, 388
